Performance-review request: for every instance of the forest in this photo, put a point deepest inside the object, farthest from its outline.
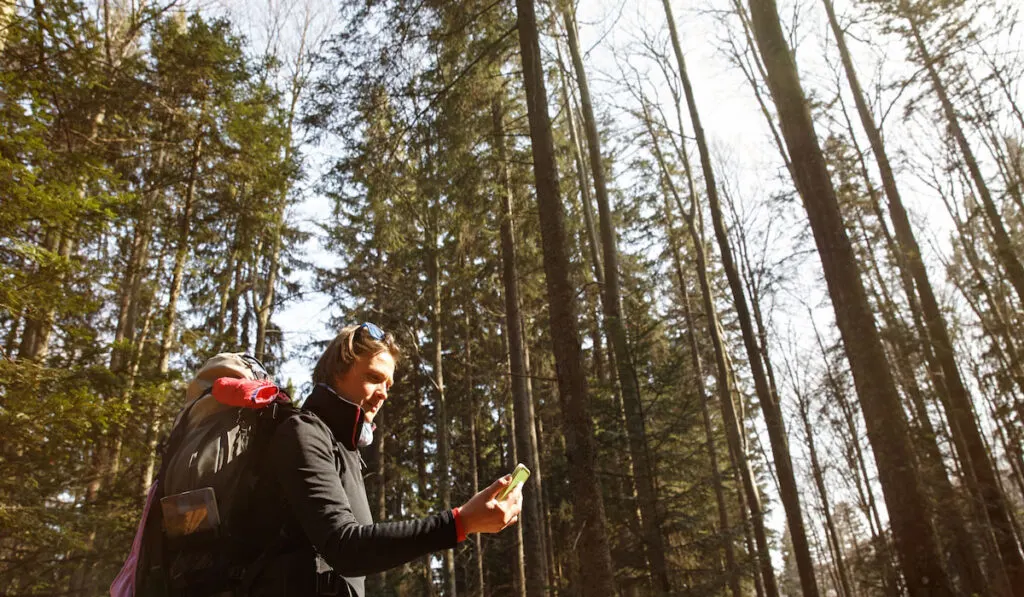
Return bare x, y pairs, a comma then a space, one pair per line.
741, 281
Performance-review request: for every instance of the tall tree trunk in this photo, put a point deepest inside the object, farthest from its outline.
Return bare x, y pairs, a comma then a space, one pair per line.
131, 285
593, 244
38, 331
887, 428
181, 254
588, 503
769, 402
154, 421
994, 501
127, 345
543, 489
752, 80
422, 417
444, 484
995, 322
11, 338
952, 382
35, 341
963, 561
862, 478
511, 455
474, 456
522, 405
376, 480
725, 529
265, 306
748, 530
622, 487
819, 482
643, 467
723, 384
180, 257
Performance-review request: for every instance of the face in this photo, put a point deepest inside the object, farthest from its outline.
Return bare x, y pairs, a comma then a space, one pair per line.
367, 382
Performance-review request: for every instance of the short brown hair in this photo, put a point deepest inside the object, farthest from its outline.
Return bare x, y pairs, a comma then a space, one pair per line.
352, 342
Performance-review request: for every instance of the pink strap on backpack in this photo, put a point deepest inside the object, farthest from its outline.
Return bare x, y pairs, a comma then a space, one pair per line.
124, 583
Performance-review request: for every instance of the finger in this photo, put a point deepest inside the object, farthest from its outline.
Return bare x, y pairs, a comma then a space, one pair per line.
498, 485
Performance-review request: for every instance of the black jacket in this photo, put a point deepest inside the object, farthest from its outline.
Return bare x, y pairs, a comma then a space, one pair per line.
316, 478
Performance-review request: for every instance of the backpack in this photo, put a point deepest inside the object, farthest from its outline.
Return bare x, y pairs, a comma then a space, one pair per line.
187, 541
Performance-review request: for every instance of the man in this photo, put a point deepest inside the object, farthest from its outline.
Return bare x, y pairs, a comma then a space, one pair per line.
330, 542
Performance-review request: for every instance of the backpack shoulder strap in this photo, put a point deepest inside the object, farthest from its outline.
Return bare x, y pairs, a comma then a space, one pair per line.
177, 435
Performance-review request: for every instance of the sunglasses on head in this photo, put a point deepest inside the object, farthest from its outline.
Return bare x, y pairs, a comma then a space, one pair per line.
373, 329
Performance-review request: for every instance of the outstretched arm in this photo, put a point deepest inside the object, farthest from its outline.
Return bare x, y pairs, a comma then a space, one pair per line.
303, 460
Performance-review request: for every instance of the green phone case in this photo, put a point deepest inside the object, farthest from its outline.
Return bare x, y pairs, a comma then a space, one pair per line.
519, 476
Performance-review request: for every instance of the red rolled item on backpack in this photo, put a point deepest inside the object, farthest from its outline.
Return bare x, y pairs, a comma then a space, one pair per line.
247, 393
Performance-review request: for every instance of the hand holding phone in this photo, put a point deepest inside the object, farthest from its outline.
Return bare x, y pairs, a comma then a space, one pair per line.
492, 510
519, 476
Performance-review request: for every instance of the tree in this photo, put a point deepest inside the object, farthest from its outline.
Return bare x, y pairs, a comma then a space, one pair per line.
526, 436
768, 400
949, 383
588, 504
643, 468
901, 483
724, 382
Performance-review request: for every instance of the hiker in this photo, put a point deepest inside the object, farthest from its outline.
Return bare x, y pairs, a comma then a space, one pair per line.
330, 541
256, 497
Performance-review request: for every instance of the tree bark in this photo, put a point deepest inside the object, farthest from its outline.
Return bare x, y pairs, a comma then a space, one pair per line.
952, 382
265, 306
522, 405
543, 490
588, 503
748, 530
819, 482
180, 257
723, 383
994, 501
731, 571
643, 467
474, 459
769, 402
593, 244
963, 561
887, 429
444, 484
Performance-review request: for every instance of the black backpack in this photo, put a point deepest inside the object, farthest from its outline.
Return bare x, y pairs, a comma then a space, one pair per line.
210, 467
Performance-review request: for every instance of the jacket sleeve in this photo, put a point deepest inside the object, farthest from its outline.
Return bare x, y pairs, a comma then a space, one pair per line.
303, 460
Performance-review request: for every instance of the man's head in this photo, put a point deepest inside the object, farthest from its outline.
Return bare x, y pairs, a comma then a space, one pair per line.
359, 364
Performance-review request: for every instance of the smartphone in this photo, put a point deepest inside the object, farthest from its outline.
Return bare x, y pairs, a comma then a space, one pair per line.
519, 476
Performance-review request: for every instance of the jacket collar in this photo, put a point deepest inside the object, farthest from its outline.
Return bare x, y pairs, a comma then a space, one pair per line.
343, 418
